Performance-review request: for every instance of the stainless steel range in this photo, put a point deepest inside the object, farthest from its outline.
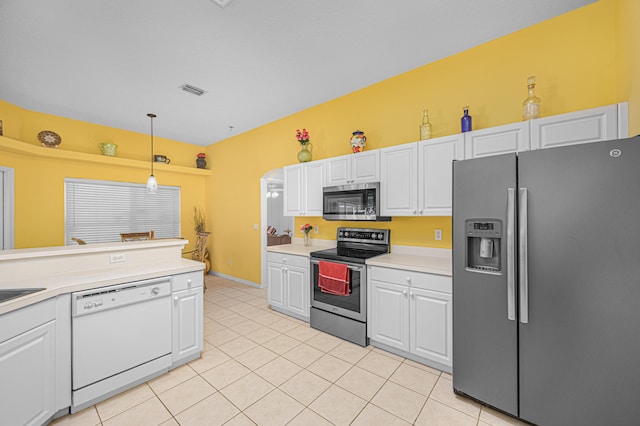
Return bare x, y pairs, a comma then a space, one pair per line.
343, 311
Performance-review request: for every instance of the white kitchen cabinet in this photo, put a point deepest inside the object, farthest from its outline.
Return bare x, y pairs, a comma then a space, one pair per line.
435, 174
186, 317
416, 178
303, 189
288, 284
411, 312
592, 125
28, 364
353, 168
399, 180
497, 140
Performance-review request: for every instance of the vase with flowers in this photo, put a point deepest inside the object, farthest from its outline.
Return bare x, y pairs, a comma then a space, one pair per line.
306, 228
201, 160
306, 147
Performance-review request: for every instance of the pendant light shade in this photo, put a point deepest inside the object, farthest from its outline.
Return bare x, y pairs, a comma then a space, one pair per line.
152, 183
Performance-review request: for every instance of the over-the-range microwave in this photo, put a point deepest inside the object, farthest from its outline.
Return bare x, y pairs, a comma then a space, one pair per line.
360, 201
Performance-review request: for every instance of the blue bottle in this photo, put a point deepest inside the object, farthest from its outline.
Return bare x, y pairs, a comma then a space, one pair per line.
465, 121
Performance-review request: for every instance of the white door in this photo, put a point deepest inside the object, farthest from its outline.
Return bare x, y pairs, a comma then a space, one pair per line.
27, 368
430, 324
436, 174
365, 166
186, 314
313, 183
297, 285
338, 170
275, 288
6, 208
389, 314
292, 193
497, 140
399, 180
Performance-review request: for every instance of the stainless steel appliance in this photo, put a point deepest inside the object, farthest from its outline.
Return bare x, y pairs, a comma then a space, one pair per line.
345, 316
360, 201
546, 283
121, 336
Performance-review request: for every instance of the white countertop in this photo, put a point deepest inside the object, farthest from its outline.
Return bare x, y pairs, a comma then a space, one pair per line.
440, 265
70, 277
298, 248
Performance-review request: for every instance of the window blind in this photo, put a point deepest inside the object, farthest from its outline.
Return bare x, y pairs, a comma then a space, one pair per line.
99, 211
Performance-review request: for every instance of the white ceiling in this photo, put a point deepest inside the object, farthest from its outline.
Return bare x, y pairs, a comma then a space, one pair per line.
112, 62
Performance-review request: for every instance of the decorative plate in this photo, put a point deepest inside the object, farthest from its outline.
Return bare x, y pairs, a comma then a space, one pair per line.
49, 138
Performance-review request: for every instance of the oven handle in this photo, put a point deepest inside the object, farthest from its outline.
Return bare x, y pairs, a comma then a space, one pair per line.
349, 265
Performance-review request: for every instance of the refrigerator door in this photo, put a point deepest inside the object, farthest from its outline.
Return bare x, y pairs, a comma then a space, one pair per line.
484, 338
579, 362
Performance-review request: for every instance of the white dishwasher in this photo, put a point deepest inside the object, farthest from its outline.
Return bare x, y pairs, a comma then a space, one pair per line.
121, 336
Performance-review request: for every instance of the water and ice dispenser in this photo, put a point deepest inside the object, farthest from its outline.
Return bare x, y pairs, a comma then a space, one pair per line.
484, 245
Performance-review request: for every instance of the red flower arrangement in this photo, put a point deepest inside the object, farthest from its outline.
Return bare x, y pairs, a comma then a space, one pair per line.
202, 155
306, 228
302, 136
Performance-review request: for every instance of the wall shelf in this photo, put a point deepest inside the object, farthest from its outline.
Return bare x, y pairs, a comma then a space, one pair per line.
22, 148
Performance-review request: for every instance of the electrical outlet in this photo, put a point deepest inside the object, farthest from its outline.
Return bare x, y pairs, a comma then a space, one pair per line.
255, 226
315, 229
438, 235
117, 258
230, 262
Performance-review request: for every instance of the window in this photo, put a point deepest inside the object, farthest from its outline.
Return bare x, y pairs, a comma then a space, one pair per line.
99, 211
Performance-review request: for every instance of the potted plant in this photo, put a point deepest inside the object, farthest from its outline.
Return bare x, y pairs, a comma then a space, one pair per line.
201, 160
201, 253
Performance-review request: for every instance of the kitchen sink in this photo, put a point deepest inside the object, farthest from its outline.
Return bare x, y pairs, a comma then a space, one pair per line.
13, 293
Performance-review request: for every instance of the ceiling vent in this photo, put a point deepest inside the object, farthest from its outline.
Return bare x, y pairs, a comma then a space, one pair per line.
193, 89
222, 3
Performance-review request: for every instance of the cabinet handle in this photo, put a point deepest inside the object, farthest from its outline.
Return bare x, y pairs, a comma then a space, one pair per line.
420, 211
414, 212
413, 296
189, 282
175, 299
404, 293
408, 279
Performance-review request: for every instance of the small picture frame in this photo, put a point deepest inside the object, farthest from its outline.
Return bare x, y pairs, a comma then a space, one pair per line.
0, 127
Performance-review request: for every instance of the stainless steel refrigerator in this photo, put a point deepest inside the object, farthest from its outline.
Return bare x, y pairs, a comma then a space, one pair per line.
546, 283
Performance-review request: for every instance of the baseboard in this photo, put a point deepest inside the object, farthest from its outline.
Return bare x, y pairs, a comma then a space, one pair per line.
236, 279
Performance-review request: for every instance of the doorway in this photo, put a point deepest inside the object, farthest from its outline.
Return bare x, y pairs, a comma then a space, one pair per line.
272, 214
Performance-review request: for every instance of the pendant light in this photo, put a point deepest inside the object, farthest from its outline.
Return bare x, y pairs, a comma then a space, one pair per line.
152, 183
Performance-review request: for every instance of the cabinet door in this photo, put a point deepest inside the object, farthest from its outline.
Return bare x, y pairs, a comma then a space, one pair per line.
430, 325
399, 180
389, 314
187, 323
338, 171
592, 125
292, 190
275, 288
297, 290
497, 140
365, 167
27, 369
313, 182
435, 174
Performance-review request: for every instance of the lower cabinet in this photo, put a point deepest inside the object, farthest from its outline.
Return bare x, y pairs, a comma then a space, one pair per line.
186, 316
412, 312
288, 284
28, 365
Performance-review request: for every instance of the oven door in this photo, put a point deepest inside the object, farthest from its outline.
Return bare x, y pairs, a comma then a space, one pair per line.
352, 306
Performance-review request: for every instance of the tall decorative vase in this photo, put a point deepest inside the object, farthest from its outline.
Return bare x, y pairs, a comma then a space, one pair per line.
307, 243
305, 152
201, 253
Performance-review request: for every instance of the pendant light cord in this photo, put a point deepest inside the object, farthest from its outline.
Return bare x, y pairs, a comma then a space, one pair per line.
151, 116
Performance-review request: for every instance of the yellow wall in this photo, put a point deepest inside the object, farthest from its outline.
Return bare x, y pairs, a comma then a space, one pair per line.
39, 180
574, 57
582, 59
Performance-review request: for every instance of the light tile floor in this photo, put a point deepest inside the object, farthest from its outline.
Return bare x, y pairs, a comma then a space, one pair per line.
262, 367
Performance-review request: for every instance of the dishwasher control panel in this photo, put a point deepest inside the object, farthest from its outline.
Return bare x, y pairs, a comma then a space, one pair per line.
103, 298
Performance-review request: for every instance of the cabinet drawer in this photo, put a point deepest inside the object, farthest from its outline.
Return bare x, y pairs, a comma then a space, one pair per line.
432, 282
187, 281
288, 259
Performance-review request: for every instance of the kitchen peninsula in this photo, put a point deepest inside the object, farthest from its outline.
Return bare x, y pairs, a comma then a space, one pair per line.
104, 318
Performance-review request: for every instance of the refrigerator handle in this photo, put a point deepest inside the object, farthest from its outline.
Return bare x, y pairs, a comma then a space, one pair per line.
511, 255
524, 260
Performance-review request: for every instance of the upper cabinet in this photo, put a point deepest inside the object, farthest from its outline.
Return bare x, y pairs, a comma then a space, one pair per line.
497, 140
353, 168
592, 125
302, 195
416, 177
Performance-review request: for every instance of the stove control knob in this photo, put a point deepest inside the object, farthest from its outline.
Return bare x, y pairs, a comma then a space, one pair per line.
340, 234
88, 305
373, 236
380, 236
346, 233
